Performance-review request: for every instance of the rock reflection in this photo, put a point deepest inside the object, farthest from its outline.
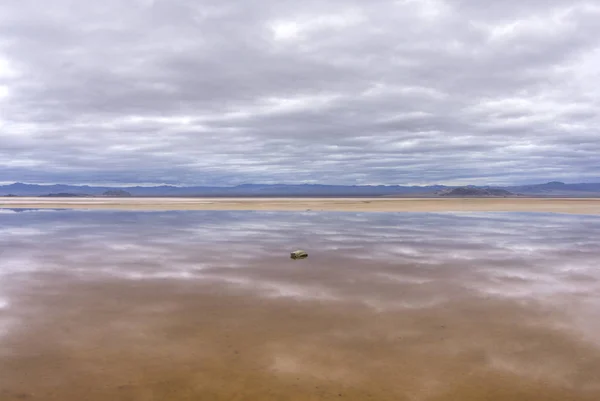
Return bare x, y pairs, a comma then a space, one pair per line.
388, 306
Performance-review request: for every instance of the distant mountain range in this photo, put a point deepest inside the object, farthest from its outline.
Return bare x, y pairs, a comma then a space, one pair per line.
553, 188
474, 191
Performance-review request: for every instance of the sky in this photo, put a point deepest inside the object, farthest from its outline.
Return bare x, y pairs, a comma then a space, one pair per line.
210, 92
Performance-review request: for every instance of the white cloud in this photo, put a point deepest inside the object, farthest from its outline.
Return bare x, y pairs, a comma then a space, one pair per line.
305, 26
392, 92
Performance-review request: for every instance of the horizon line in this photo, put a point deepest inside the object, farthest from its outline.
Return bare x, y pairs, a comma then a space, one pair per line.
131, 185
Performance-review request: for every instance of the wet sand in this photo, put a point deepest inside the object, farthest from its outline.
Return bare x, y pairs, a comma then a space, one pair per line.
550, 205
160, 341
176, 306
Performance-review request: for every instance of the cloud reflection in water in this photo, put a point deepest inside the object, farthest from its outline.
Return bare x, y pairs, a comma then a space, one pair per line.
366, 258
508, 292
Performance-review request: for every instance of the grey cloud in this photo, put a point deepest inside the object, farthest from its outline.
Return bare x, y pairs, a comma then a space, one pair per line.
391, 92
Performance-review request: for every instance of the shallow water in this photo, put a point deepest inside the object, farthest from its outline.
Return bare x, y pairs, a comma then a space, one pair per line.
104, 305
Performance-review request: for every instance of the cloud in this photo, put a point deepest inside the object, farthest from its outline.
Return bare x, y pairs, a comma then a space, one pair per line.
397, 92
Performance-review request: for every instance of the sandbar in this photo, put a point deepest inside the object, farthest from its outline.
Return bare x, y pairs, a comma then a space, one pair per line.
543, 205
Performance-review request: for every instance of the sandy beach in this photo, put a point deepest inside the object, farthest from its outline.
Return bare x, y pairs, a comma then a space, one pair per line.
545, 205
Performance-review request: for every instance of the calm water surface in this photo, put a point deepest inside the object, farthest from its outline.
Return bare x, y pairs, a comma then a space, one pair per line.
104, 305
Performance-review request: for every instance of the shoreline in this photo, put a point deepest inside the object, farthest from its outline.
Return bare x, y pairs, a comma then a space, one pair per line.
380, 204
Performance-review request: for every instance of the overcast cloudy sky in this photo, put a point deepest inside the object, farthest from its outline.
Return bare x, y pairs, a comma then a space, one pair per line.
214, 92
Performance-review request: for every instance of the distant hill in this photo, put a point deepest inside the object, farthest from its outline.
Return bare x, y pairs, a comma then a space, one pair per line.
557, 188
116, 192
64, 195
475, 191
553, 188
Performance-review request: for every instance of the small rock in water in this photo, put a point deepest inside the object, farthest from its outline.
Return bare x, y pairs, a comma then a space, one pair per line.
299, 255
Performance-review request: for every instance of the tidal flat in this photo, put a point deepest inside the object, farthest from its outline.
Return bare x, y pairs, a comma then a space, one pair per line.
208, 305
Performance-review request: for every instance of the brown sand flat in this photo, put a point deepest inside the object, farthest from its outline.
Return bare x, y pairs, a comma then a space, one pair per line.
166, 341
167, 306
549, 205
